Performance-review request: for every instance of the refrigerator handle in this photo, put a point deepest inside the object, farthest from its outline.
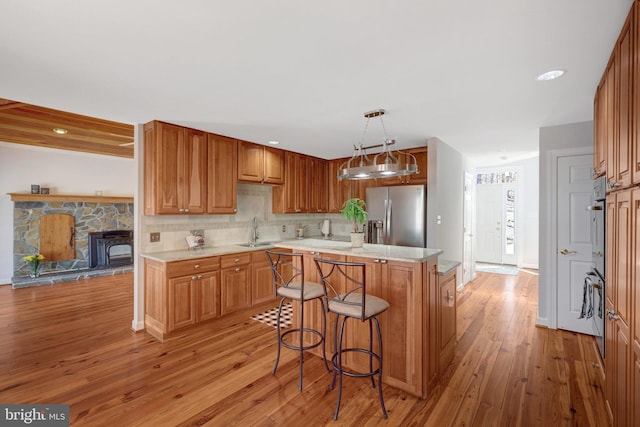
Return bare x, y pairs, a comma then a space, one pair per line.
388, 223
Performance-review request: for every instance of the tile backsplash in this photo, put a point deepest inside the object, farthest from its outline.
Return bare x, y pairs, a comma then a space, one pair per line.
254, 200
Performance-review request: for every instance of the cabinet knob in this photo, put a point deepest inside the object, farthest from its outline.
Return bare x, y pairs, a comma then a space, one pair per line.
180, 210
235, 210
194, 277
237, 260
196, 266
612, 315
376, 260
237, 269
186, 210
612, 185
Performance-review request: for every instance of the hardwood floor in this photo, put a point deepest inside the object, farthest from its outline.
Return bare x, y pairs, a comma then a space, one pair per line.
71, 343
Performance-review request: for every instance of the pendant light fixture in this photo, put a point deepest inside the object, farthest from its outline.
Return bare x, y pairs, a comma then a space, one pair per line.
384, 164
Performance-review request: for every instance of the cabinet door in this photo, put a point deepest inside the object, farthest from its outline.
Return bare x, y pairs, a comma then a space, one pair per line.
635, 124
273, 166
338, 190
447, 317
302, 183
235, 291
599, 132
317, 182
610, 108
208, 288
162, 145
623, 262
624, 69
289, 189
192, 177
222, 156
181, 310
250, 161
261, 279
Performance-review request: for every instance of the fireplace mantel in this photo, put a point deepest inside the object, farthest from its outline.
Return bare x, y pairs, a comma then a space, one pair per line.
28, 197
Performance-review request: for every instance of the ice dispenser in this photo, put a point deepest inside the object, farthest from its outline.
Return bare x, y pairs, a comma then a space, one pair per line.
374, 231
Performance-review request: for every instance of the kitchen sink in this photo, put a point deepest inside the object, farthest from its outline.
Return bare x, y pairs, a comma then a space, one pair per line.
256, 244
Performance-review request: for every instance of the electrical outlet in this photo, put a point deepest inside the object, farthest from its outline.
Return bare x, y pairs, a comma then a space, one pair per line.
154, 237
284, 228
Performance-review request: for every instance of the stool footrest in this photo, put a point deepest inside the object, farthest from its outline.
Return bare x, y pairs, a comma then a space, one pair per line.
304, 347
334, 362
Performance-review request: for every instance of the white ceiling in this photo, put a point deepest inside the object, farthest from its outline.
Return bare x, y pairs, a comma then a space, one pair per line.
304, 73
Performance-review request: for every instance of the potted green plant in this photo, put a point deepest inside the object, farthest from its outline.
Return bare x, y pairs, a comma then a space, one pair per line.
354, 210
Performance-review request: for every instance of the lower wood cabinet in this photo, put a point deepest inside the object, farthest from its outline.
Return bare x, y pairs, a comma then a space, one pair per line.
235, 285
180, 294
447, 318
261, 279
409, 327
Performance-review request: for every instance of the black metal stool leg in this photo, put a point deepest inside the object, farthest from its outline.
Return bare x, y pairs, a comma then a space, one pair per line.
324, 335
335, 352
275, 367
373, 383
384, 410
339, 368
301, 326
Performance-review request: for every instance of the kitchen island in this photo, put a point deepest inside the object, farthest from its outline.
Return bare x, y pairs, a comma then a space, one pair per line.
185, 288
407, 278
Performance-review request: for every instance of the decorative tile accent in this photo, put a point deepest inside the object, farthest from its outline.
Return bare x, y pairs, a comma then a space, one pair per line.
270, 317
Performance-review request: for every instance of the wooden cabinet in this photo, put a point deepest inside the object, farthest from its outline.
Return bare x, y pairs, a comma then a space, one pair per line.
261, 279
304, 188
259, 163
635, 124
624, 75
447, 318
618, 305
420, 155
235, 285
180, 294
292, 196
338, 190
222, 175
317, 185
409, 326
599, 131
610, 106
174, 169
635, 305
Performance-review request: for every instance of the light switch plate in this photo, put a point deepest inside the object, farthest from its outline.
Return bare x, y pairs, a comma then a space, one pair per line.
154, 237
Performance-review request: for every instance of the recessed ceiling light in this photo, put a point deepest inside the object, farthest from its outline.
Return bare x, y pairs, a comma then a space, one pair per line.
550, 75
60, 131
274, 142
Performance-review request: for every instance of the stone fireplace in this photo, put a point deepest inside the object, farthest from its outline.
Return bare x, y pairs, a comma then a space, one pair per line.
90, 217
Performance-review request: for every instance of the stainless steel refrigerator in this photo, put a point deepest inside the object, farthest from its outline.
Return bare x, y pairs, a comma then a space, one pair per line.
397, 215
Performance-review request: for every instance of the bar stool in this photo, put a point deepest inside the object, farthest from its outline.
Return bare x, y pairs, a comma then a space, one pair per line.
287, 270
352, 303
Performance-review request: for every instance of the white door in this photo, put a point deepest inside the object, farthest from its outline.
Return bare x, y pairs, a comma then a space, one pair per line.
467, 258
489, 223
575, 186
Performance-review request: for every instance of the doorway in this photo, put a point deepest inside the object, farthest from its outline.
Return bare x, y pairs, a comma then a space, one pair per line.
497, 197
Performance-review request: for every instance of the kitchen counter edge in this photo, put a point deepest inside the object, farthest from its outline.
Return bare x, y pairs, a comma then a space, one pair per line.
388, 252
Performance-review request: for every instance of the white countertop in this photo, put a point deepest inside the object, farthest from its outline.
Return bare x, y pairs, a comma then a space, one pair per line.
395, 253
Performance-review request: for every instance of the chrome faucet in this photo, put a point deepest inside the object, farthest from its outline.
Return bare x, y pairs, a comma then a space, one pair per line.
254, 235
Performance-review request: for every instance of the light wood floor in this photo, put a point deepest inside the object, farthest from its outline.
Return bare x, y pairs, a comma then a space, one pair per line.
71, 343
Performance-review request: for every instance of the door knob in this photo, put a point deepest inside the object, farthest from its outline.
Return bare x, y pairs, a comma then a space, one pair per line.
567, 252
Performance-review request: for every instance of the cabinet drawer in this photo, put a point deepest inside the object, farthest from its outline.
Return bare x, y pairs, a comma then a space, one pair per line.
235, 259
183, 268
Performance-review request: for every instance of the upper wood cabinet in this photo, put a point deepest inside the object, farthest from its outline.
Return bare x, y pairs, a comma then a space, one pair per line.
175, 169
599, 131
222, 172
259, 163
635, 140
609, 86
420, 155
305, 183
624, 101
292, 197
337, 190
317, 179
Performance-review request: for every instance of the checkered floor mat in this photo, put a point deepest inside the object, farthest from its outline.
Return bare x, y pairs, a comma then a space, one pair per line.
269, 317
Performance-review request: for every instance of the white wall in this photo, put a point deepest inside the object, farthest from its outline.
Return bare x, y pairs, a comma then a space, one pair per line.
554, 140
63, 172
445, 199
528, 207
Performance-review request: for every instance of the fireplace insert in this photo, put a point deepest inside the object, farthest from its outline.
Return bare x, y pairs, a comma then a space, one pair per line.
110, 248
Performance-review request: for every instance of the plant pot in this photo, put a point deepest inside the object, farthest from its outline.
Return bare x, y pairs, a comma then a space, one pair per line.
357, 239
